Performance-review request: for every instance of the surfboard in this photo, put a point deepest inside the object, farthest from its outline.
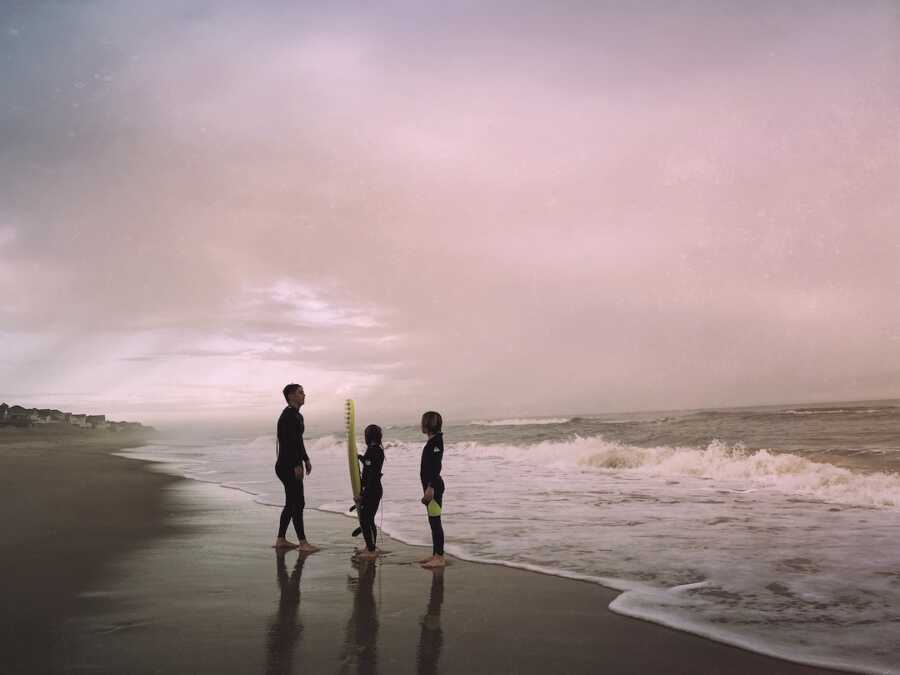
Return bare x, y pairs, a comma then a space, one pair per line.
352, 452
352, 455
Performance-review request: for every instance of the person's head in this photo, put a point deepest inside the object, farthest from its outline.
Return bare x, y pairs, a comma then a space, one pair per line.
294, 395
373, 435
432, 423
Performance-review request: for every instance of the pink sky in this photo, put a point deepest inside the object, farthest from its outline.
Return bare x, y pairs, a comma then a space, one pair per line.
488, 209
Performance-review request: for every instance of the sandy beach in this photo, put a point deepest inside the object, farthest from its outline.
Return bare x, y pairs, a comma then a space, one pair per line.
70, 508
114, 566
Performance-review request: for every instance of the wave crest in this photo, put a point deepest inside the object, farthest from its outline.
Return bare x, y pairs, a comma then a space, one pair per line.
523, 421
718, 461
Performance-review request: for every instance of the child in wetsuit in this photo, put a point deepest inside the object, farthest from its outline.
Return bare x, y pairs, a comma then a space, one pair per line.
371, 490
433, 485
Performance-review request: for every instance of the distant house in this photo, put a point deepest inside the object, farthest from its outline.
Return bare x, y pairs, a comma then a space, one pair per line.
19, 416
78, 420
97, 421
22, 417
124, 426
43, 416
47, 415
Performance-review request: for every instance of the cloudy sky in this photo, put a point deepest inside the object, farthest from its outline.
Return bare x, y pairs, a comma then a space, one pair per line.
488, 208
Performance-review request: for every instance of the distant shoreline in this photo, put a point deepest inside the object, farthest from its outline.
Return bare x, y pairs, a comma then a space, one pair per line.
60, 432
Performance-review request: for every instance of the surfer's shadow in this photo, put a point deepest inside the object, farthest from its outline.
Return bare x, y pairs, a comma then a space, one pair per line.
361, 635
431, 633
286, 630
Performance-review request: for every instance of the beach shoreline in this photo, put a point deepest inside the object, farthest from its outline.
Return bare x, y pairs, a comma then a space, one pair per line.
73, 507
143, 548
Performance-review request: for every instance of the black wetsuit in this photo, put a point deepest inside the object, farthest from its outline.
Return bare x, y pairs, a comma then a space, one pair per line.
371, 492
291, 453
430, 475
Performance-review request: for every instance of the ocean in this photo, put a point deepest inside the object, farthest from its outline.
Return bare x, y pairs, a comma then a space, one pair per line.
772, 528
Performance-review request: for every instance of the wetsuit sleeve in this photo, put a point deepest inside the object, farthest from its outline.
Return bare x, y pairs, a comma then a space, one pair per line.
434, 466
365, 471
302, 449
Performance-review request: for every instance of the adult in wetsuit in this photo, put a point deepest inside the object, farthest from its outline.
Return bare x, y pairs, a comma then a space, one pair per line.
433, 485
371, 490
289, 468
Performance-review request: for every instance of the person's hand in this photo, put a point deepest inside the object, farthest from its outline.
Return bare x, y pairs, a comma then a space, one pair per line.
357, 500
428, 496
308, 467
298, 472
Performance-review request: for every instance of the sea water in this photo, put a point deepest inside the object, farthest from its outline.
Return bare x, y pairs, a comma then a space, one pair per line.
776, 529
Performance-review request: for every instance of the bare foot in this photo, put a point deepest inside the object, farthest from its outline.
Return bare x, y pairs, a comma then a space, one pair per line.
437, 561
281, 542
428, 559
367, 555
306, 546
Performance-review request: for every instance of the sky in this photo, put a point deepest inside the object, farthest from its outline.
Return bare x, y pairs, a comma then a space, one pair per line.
490, 209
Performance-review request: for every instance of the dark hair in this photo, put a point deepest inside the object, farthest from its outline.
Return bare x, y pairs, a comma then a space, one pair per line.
373, 435
432, 422
290, 389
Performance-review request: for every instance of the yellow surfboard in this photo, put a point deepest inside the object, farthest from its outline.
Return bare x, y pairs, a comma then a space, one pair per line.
352, 454
353, 458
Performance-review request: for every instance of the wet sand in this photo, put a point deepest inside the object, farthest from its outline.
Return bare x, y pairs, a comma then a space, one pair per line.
115, 567
69, 508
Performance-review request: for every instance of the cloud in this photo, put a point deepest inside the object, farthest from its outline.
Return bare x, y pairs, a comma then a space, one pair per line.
7, 235
301, 305
510, 208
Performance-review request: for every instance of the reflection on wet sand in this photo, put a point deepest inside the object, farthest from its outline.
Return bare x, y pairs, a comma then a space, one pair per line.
362, 628
431, 637
286, 628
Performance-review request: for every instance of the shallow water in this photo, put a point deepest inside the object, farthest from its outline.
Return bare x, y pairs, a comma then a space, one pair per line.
777, 529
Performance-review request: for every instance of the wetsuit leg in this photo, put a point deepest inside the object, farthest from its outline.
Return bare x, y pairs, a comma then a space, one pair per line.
437, 535
369, 508
437, 528
293, 503
368, 535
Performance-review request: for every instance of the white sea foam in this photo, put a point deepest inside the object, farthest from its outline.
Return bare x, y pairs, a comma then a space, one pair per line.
518, 422
838, 411
720, 462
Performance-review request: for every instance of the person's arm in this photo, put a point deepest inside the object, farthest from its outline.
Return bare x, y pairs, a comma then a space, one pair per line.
302, 455
364, 478
434, 472
435, 466
302, 450
378, 462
